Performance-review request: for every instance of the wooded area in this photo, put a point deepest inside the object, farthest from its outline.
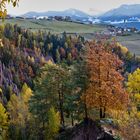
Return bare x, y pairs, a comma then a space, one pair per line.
49, 82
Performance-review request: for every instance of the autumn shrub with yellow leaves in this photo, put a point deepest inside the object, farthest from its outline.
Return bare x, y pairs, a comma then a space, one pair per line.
3, 123
123, 49
53, 123
133, 87
127, 123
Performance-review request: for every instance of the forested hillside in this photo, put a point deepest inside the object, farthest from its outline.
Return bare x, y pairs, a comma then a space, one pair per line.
50, 82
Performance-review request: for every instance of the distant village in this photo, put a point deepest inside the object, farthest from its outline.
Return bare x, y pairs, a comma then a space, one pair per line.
49, 18
120, 31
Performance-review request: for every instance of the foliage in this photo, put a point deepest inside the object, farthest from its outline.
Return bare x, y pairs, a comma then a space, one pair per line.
128, 122
123, 49
133, 87
50, 86
24, 52
3, 10
19, 113
105, 90
3, 122
80, 84
48, 81
53, 123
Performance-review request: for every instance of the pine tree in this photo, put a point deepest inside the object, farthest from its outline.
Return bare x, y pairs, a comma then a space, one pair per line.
80, 80
50, 86
57, 56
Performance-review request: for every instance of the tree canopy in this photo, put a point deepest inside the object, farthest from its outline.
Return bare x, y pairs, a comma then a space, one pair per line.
3, 10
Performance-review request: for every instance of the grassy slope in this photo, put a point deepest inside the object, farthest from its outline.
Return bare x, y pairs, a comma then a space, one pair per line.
131, 42
55, 26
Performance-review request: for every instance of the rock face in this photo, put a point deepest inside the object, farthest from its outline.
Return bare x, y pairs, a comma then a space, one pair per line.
87, 130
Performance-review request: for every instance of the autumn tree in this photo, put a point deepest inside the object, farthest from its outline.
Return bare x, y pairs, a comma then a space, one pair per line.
3, 123
3, 10
105, 90
53, 123
18, 110
133, 87
128, 122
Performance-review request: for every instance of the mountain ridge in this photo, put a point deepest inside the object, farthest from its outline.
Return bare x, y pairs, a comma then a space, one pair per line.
124, 12
69, 12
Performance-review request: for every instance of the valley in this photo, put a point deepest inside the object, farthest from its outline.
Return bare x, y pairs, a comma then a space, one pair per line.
67, 74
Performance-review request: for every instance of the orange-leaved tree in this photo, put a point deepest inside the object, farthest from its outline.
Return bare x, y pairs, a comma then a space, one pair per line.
105, 90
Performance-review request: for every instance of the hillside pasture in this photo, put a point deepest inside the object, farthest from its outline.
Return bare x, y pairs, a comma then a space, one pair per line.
132, 42
54, 26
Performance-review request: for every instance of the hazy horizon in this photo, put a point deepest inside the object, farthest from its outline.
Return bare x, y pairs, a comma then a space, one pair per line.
93, 7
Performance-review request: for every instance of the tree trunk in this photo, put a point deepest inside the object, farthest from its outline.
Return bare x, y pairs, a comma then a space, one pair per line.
72, 121
101, 113
104, 113
86, 113
61, 109
85, 106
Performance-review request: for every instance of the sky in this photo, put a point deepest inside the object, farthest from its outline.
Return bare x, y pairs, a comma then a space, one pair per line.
93, 7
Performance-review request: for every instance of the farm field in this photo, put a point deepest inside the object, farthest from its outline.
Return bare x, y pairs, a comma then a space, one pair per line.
132, 42
55, 26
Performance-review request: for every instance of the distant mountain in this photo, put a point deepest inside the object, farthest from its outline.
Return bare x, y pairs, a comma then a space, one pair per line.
124, 12
129, 13
73, 13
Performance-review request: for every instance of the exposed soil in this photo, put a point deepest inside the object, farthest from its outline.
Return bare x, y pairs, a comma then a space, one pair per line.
87, 130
